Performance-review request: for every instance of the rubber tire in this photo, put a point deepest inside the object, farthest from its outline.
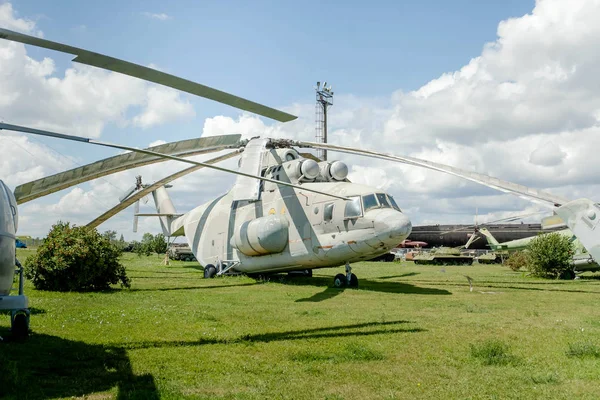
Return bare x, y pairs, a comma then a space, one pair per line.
567, 275
353, 281
210, 271
340, 281
20, 326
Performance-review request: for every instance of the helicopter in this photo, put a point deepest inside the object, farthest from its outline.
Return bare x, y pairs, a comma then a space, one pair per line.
286, 211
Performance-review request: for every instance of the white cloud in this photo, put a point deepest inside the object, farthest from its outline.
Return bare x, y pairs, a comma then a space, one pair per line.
547, 155
157, 16
10, 21
162, 105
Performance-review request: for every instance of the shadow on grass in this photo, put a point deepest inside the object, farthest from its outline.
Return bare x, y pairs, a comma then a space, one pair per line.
399, 276
362, 329
499, 285
187, 287
364, 284
49, 367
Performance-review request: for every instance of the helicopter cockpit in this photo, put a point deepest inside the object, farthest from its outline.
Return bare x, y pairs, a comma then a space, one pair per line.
371, 201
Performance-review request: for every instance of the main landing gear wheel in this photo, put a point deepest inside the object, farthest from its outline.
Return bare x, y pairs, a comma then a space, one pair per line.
210, 271
340, 281
20, 326
353, 281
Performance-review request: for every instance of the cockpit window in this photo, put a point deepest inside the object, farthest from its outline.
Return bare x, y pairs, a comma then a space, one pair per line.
394, 203
369, 202
353, 209
383, 201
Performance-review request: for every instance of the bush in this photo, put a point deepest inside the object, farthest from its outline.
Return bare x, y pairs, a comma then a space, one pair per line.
518, 260
74, 258
551, 256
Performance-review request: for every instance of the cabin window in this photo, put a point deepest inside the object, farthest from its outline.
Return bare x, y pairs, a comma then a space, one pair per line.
370, 202
383, 201
352, 209
328, 212
393, 202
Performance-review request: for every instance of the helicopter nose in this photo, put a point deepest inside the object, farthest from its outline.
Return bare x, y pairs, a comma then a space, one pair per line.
392, 225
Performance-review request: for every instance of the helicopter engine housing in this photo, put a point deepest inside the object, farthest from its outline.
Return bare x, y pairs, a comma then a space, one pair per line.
261, 236
302, 170
334, 171
8, 228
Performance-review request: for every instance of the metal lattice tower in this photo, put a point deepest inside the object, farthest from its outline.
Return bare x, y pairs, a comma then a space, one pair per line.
324, 96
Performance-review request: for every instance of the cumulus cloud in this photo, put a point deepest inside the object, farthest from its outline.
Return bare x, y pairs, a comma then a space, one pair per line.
547, 155
82, 101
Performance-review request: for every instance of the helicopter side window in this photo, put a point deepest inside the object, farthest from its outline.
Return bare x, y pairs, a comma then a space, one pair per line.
328, 212
393, 202
353, 209
370, 202
383, 200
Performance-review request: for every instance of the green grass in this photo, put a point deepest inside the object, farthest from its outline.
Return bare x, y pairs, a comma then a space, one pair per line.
407, 332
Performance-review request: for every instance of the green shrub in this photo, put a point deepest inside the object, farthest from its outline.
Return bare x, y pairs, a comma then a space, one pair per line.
518, 260
551, 256
75, 258
583, 350
493, 352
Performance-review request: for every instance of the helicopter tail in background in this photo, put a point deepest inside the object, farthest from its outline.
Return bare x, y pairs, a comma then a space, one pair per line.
494, 244
165, 209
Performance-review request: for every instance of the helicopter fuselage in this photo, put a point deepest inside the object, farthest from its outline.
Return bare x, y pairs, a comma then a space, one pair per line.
291, 229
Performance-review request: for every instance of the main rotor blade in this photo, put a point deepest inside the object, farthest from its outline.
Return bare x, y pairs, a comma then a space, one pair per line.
62, 180
166, 156
525, 192
149, 189
149, 74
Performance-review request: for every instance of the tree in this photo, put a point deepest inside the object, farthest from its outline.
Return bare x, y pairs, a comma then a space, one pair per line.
75, 258
551, 256
147, 244
159, 244
110, 235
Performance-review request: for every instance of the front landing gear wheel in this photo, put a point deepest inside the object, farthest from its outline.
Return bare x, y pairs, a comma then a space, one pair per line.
340, 281
20, 326
210, 271
353, 281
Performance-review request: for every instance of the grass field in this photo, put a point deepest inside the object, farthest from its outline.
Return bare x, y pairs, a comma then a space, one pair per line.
407, 332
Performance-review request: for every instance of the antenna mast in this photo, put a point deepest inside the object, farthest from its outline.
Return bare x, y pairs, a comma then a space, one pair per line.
324, 101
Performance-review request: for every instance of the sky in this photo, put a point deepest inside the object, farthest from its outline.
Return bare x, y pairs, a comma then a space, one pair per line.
506, 88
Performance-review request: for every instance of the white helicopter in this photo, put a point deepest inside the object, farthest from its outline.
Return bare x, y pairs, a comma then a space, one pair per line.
286, 212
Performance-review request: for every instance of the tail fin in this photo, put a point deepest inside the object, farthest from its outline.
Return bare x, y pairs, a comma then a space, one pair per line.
164, 205
494, 244
582, 217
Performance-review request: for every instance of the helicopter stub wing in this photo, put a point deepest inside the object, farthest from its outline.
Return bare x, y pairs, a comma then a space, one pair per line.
149, 74
527, 193
185, 148
150, 188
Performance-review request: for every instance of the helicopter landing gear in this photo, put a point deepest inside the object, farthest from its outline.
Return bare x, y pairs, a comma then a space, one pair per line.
210, 271
19, 324
348, 280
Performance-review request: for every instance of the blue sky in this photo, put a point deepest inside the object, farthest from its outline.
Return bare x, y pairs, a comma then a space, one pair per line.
270, 51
